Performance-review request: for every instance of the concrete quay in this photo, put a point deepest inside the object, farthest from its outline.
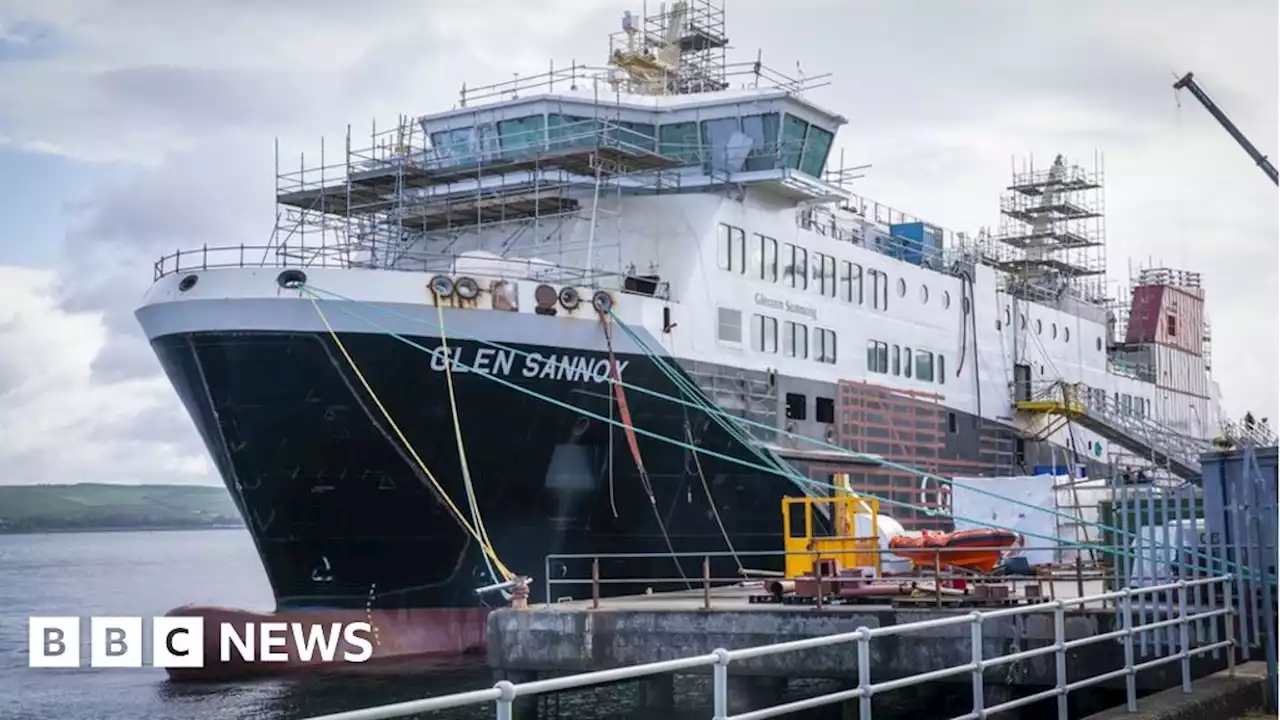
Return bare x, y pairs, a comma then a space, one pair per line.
571, 637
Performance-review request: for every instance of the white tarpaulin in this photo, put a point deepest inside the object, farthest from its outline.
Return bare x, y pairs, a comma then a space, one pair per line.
1009, 502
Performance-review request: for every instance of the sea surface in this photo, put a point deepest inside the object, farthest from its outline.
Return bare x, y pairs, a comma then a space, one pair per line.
148, 573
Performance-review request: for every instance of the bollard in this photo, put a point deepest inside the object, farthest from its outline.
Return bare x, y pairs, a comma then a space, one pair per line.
595, 583
706, 583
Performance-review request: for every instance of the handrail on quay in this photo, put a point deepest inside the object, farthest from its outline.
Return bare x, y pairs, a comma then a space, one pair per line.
503, 694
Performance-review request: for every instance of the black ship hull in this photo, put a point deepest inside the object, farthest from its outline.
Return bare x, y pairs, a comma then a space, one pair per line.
344, 519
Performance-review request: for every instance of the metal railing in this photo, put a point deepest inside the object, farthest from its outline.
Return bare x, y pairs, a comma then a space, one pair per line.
932, 580
504, 693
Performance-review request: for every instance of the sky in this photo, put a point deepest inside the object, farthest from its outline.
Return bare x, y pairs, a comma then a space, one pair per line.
132, 128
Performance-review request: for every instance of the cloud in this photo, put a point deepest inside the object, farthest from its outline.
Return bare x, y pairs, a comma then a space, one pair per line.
190, 98
61, 424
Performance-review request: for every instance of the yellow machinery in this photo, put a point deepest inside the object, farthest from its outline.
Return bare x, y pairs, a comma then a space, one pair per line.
803, 547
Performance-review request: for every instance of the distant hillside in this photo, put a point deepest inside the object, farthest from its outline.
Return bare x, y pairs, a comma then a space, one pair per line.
98, 506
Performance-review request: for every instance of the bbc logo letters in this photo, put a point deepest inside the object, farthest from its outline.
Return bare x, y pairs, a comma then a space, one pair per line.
179, 642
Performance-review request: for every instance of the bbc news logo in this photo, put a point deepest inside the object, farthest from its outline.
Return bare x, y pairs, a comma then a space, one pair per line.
179, 642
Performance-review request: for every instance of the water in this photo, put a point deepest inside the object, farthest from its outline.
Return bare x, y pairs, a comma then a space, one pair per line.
148, 573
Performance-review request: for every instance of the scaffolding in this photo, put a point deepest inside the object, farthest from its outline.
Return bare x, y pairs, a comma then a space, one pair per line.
1051, 239
396, 202
678, 50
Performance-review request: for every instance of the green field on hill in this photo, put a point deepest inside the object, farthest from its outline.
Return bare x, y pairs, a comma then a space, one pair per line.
99, 506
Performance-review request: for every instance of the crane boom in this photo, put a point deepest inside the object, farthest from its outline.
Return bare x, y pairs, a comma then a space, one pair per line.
1188, 81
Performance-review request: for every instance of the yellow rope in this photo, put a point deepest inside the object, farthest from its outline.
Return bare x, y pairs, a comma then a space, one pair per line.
462, 452
484, 545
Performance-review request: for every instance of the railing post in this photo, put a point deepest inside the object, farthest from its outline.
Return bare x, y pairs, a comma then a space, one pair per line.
595, 583
1131, 676
1060, 653
1230, 620
864, 673
975, 639
1184, 637
504, 701
720, 685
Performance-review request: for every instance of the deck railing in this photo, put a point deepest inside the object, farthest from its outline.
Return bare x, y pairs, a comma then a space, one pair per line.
504, 693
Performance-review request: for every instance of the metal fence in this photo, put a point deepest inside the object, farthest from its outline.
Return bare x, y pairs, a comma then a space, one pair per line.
504, 694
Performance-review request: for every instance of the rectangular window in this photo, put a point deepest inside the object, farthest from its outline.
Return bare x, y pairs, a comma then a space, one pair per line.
793, 132
763, 131
828, 276
942, 369
877, 357
816, 146
796, 406
730, 329
764, 263
924, 365
641, 135
819, 281
824, 349
766, 333
897, 360
732, 251
795, 337
846, 281
857, 284
680, 142
1171, 325
906, 362
824, 410
716, 134
952, 426
798, 267
567, 131
520, 134
879, 290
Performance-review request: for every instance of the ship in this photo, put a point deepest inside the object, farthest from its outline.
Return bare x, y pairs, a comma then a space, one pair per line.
628, 309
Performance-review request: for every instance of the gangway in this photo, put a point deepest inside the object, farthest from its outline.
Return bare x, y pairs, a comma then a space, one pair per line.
1139, 434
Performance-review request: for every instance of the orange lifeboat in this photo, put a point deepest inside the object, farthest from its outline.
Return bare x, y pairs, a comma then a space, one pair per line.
977, 550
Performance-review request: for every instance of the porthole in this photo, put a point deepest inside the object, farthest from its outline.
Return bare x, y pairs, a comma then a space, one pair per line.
1039, 326
187, 283
1041, 371
924, 294
902, 287
1066, 334
1053, 331
1022, 320
1098, 343
1008, 316
946, 299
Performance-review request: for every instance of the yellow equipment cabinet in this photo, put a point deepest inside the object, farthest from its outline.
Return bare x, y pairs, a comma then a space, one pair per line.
803, 546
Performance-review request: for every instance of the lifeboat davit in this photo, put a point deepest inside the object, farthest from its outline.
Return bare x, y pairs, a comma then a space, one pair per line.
977, 550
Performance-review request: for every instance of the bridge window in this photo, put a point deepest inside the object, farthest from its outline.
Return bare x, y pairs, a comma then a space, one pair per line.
796, 339
793, 132
526, 133
566, 131
641, 135
763, 131
716, 134
730, 325
766, 333
824, 342
732, 249
816, 147
454, 147
680, 142
877, 357
764, 258
924, 365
